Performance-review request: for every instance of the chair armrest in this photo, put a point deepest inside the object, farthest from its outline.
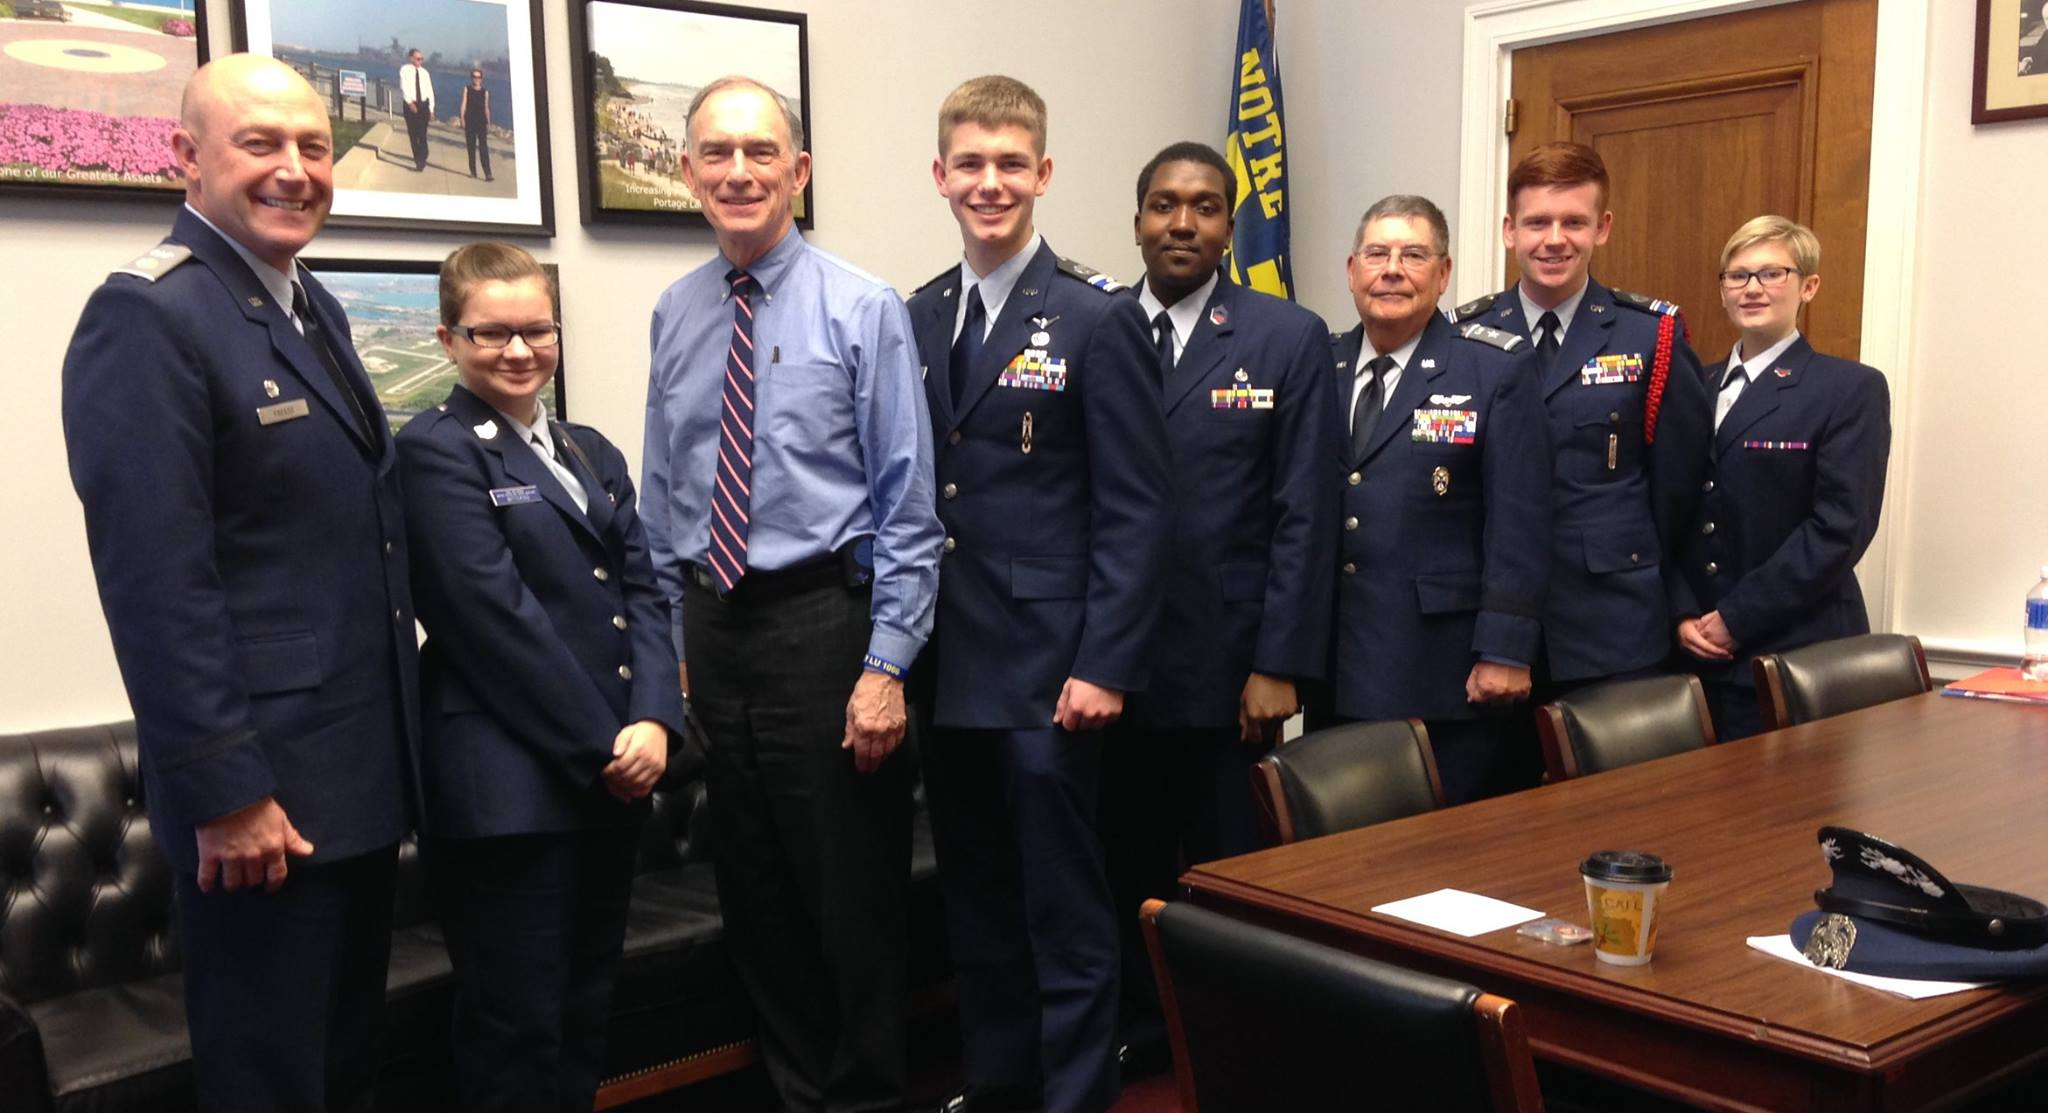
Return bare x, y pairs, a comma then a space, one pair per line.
24, 1073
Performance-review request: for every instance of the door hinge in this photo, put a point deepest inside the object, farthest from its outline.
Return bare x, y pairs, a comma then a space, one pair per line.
1509, 117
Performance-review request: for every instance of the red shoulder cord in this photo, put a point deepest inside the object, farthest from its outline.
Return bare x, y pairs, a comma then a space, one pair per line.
1660, 371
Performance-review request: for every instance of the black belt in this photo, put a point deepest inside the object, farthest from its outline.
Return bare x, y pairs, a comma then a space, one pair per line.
759, 586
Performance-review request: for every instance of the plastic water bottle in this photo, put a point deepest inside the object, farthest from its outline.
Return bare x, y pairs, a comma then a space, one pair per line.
2034, 666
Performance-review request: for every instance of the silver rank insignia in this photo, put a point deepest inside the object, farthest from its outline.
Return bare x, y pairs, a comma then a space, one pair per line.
1440, 480
270, 388
1833, 937
1428, 364
487, 430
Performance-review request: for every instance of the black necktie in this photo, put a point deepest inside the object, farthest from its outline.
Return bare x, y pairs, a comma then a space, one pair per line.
967, 347
1365, 413
317, 338
1734, 373
1162, 343
1547, 328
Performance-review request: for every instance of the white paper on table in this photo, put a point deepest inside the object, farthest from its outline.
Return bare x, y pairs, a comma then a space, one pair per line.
1780, 946
1459, 912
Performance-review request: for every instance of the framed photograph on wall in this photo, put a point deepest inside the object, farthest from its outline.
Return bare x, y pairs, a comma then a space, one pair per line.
393, 307
439, 106
2012, 61
89, 94
638, 63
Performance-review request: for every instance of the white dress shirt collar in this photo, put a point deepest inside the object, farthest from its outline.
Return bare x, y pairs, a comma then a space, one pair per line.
1565, 311
995, 285
1185, 313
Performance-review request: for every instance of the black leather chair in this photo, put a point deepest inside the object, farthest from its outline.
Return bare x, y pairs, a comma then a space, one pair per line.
1348, 776
1829, 678
1608, 726
1262, 1021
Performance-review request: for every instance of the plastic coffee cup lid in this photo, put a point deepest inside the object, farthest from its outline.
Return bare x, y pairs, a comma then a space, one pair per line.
1631, 866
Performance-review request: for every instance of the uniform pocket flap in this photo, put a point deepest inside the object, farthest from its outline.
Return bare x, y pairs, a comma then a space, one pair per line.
1048, 577
1620, 550
1242, 583
279, 662
1448, 593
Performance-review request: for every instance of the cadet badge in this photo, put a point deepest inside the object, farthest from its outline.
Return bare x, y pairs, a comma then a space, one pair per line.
1831, 940
1445, 425
1440, 480
270, 388
1601, 370
1033, 369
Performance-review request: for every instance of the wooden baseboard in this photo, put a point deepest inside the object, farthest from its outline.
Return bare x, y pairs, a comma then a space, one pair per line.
677, 1073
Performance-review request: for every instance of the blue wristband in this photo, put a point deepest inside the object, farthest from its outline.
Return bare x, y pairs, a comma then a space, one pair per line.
890, 669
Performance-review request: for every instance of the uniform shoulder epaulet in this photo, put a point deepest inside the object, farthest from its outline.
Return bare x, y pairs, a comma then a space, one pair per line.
1091, 276
1473, 308
1487, 334
936, 279
156, 262
1644, 302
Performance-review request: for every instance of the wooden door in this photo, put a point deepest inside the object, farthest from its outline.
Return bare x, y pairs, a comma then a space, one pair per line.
1706, 123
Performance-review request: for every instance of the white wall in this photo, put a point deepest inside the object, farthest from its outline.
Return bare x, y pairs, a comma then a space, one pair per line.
1120, 80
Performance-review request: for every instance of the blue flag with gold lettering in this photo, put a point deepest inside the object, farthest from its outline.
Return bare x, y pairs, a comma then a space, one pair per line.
1256, 151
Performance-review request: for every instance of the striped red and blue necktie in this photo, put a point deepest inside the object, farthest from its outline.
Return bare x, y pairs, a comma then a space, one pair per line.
733, 492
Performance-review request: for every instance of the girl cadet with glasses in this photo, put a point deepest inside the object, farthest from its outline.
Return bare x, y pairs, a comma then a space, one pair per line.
548, 690
1795, 478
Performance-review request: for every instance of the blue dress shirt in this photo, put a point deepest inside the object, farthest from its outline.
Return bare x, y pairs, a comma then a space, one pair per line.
842, 441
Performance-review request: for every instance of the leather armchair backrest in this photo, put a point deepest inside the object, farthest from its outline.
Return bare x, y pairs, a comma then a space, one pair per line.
85, 897
1833, 677
1612, 725
1271, 1021
1354, 776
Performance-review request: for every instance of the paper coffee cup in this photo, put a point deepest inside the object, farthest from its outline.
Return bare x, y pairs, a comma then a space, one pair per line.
1624, 895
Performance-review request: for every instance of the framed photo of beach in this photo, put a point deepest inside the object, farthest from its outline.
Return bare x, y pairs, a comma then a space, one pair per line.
638, 64
439, 107
89, 94
2011, 72
393, 307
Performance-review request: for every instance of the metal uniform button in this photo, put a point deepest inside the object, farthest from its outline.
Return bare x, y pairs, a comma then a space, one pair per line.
1635, 558
601, 574
625, 672
387, 548
1712, 568
398, 616
1708, 528
951, 490
1350, 568
951, 544
1354, 479
953, 437
1709, 485
619, 622
1350, 523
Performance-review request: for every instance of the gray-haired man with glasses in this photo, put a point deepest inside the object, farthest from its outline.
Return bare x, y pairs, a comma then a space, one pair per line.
1446, 505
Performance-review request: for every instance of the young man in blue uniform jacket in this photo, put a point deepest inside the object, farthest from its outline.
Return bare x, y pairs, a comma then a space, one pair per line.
1629, 422
1444, 487
243, 511
1051, 465
1251, 422
1794, 485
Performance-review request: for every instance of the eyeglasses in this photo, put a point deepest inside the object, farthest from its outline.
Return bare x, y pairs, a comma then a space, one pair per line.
1770, 278
1411, 258
499, 336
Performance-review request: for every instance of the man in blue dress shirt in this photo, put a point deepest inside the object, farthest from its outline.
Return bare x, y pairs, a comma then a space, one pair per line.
787, 498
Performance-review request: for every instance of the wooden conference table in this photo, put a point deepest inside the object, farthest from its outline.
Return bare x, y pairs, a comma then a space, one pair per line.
1963, 783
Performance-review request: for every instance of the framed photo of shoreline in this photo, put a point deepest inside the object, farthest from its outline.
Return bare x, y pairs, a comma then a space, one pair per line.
439, 107
2011, 73
89, 94
638, 63
393, 307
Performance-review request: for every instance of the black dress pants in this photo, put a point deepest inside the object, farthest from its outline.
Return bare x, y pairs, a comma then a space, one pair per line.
534, 925
813, 857
284, 991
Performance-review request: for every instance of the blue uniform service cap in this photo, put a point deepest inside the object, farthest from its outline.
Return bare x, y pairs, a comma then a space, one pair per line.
1891, 913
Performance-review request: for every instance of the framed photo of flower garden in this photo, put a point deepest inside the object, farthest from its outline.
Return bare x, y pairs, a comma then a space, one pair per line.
439, 107
89, 95
393, 307
638, 64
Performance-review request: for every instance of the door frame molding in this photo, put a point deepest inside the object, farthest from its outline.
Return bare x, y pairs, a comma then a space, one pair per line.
1496, 28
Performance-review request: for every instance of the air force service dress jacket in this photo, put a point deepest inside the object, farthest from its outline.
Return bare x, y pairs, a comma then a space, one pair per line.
546, 632
1053, 492
1794, 485
1622, 501
1248, 585
249, 543
1443, 547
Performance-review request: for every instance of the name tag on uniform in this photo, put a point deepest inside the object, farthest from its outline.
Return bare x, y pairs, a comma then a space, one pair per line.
1445, 426
1777, 446
1611, 369
282, 411
1033, 369
513, 496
